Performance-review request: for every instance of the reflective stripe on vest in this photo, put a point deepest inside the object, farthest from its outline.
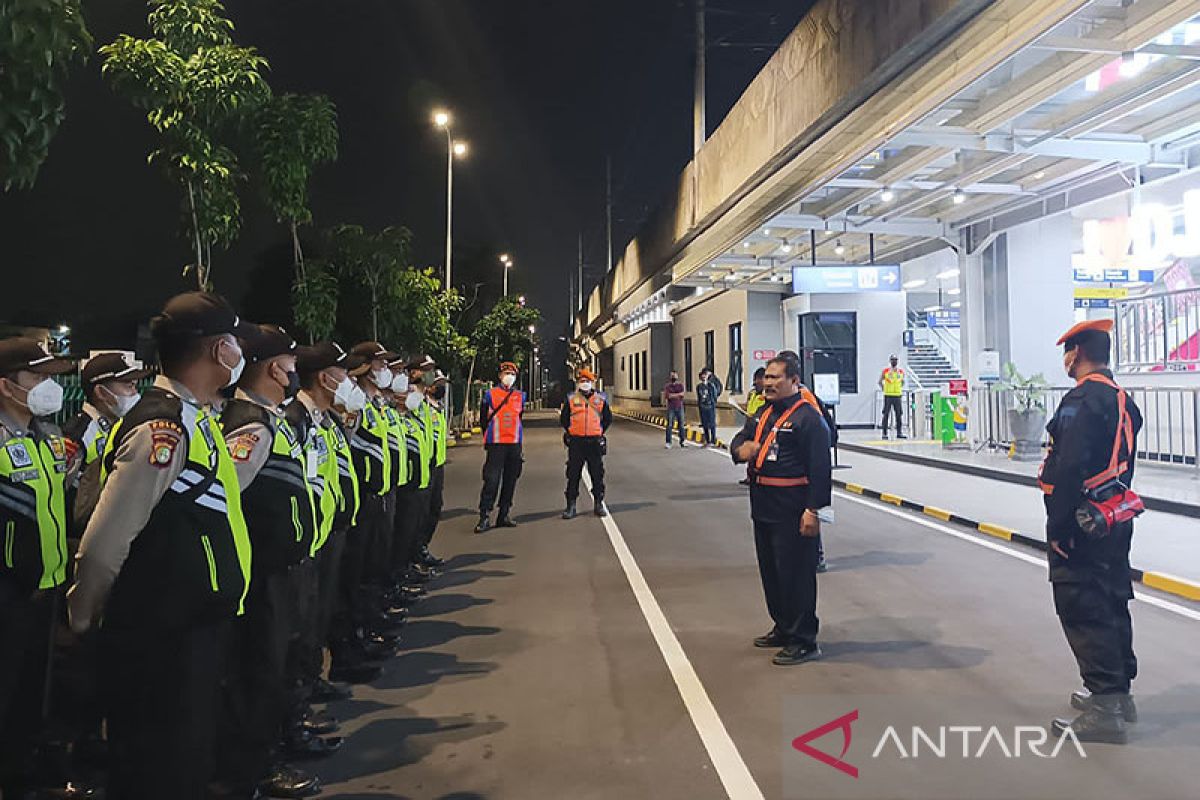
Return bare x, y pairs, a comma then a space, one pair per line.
374, 437
32, 488
893, 382
505, 425
398, 442
585, 415
327, 485
440, 430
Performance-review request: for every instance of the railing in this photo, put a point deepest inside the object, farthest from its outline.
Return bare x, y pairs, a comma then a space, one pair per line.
1158, 332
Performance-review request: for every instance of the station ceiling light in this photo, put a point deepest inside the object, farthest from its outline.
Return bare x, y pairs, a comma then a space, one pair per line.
954, 290
787, 248
934, 307
956, 304
915, 283
950, 273
766, 231
838, 248
887, 195
959, 197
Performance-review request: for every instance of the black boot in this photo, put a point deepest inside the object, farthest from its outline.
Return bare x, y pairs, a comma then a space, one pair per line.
484, 524
1102, 722
1082, 701
570, 513
429, 559
599, 510
505, 521
288, 781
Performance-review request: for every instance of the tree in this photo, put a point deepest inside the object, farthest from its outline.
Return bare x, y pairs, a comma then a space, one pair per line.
194, 84
503, 334
371, 263
39, 41
418, 319
293, 134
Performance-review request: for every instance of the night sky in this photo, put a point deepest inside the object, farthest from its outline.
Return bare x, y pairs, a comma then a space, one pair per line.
541, 90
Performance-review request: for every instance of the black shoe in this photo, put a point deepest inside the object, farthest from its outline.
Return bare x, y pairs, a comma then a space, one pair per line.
600, 510
1082, 701
885, 437
901, 436
796, 654
328, 692
772, 638
376, 637
410, 593
429, 559
744, 481
570, 513
288, 781
484, 525
319, 723
419, 575
355, 673
505, 521
372, 651
307, 746
822, 566
1102, 722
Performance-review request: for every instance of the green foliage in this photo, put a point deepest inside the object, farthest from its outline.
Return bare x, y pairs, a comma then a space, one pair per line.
315, 301
417, 319
39, 41
293, 134
1029, 394
367, 264
194, 85
503, 334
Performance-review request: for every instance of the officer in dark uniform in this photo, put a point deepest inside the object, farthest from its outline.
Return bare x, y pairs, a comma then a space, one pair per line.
164, 564
1092, 444
585, 416
501, 415
33, 526
786, 445
277, 502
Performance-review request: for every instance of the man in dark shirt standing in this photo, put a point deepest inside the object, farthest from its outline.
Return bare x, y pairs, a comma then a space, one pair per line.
787, 447
673, 394
707, 392
585, 416
1093, 439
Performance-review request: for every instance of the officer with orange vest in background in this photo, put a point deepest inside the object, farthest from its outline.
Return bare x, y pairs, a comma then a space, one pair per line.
585, 416
502, 411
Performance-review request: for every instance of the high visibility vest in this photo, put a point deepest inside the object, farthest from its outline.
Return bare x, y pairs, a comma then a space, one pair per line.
754, 401
327, 484
585, 414
33, 512
191, 562
893, 382
372, 447
420, 450
351, 498
440, 431
505, 426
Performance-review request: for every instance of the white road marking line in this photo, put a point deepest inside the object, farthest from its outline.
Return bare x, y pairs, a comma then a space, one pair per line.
1165, 605
731, 768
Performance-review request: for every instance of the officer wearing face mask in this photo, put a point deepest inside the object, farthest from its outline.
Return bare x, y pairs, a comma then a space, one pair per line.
502, 418
585, 416
110, 388
439, 426
164, 564
411, 564
33, 480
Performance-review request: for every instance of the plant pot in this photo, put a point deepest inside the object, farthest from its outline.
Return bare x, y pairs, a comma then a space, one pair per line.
1027, 427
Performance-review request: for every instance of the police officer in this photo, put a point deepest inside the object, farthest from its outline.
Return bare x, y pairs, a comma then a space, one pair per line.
164, 564
502, 418
1092, 445
585, 416
891, 381
439, 426
110, 390
413, 515
277, 503
33, 525
787, 449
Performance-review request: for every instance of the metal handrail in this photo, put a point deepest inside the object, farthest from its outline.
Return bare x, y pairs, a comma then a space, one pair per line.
1158, 332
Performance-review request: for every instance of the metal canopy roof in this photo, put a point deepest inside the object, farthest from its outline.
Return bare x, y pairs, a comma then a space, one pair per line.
1101, 94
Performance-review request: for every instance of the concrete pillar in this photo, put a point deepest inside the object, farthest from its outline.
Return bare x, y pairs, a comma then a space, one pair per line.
1042, 294
973, 324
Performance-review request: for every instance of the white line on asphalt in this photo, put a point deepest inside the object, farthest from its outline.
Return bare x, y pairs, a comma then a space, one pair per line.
731, 768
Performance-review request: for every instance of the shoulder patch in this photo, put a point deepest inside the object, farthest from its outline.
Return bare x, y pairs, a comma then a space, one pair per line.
162, 448
242, 446
18, 455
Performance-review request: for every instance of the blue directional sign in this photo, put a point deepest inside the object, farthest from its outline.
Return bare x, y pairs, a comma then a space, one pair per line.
846, 279
946, 318
1115, 275
1093, 302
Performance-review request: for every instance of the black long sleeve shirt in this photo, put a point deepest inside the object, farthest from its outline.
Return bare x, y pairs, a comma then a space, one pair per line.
803, 442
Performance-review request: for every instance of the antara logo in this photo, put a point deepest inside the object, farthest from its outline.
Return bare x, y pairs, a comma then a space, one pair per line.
937, 743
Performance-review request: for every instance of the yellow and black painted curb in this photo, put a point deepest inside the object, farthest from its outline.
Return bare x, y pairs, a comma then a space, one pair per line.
693, 434
1155, 580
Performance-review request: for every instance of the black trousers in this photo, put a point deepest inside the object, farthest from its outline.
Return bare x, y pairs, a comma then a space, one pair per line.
352, 607
585, 450
329, 574
501, 470
787, 563
25, 627
163, 692
892, 405
1095, 618
303, 668
433, 515
412, 507
256, 693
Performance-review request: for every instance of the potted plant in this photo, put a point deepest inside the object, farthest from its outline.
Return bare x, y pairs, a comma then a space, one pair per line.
1027, 417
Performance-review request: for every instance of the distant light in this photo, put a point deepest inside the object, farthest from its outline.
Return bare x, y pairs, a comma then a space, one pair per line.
745, 244
532, 328
460, 148
954, 290
927, 309
950, 273
766, 231
887, 195
838, 249
916, 283
441, 119
959, 197
955, 304
64, 328
1041, 173
787, 248
504, 259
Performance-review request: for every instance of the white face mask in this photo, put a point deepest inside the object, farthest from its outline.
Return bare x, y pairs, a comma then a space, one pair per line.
122, 404
413, 401
508, 379
235, 372
585, 386
382, 377
357, 401
343, 395
400, 383
44, 399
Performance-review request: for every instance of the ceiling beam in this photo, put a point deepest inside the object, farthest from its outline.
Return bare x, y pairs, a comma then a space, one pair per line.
1086, 149
974, 188
1072, 44
860, 224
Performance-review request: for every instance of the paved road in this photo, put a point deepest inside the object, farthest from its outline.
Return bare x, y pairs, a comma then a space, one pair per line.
532, 672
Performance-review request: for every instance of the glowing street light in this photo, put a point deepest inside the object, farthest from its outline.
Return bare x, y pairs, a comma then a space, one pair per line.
454, 148
441, 119
507, 261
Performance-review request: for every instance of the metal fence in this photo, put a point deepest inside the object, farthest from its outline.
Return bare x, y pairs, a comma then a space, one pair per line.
1158, 332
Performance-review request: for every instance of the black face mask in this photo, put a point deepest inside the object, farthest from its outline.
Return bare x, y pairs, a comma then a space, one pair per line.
293, 386
437, 392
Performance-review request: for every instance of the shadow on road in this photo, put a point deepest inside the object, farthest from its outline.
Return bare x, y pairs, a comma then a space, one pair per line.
438, 604
425, 669
433, 633
877, 558
472, 560
538, 516
462, 577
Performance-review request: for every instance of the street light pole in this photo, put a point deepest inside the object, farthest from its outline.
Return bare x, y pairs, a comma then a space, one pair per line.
507, 262
449, 202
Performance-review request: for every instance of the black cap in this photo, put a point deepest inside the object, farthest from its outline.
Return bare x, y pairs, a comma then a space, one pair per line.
110, 367
323, 355
267, 341
356, 365
20, 353
197, 315
372, 351
421, 362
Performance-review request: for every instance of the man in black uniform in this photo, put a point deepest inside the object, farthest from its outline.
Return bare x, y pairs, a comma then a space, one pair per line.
1092, 444
585, 416
786, 446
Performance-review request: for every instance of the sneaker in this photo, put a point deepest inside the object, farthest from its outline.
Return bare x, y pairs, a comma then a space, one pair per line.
1082, 700
668, 445
484, 524
771, 638
822, 566
796, 654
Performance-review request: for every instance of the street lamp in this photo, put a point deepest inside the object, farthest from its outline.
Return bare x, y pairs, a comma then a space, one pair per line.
442, 120
507, 261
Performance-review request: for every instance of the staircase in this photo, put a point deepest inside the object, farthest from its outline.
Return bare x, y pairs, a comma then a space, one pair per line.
930, 368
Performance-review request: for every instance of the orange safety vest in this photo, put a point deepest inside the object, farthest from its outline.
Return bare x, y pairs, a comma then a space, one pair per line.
1122, 449
505, 425
585, 414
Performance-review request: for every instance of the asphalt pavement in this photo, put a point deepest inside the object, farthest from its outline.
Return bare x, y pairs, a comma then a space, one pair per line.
589, 659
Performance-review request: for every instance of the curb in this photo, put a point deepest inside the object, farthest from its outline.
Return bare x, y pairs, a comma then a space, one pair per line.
695, 435
1163, 582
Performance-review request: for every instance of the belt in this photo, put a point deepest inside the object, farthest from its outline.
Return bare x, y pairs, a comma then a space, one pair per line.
763, 480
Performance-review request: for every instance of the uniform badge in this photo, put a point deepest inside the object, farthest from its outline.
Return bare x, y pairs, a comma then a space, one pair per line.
162, 448
18, 455
242, 446
57, 447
